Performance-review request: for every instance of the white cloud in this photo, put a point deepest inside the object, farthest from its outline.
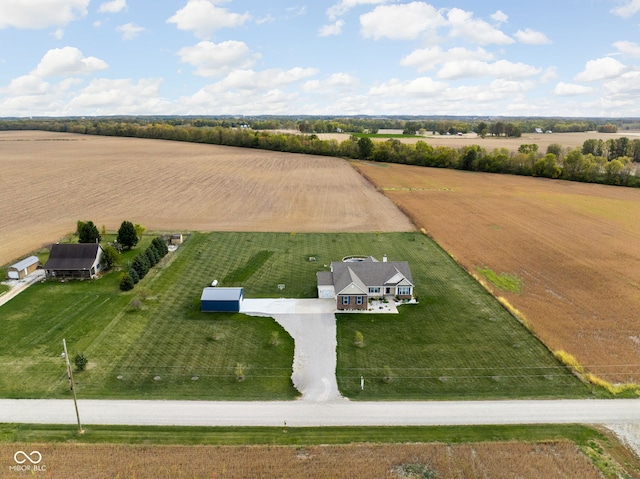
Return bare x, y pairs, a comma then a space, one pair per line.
58, 34
628, 48
203, 17
28, 85
343, 6
266, 19
332, 29
463, 25
601, 69
275, 101
121, 96
428, 58
549, 74
214, 59
626, 86
334, 82
401, 22
627, 10
571, 89
113, 6
130, 30
262, 80
423, 86
474, 68
296, 11
67, 61
36, 14
500, 17
532, 37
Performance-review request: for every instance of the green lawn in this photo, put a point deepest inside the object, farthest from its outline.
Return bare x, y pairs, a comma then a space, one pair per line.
457, 343
37, 433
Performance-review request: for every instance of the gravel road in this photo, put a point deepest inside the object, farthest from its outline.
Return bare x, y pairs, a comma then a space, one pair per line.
314, 413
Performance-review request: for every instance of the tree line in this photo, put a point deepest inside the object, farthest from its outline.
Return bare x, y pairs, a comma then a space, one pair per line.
598, 161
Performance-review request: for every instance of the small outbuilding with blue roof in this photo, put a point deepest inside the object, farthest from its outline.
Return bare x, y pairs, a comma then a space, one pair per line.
221, 300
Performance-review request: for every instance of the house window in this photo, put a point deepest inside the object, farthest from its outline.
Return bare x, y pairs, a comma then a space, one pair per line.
374, 289
404, 290
345, 300
359, 300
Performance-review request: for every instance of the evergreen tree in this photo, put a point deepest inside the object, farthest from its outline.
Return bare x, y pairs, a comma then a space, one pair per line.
126, 283
141, 265
134, 276
88, 233
127, 236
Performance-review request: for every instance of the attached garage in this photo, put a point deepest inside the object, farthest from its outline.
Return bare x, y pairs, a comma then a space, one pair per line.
23, 268
221, 300
326, 290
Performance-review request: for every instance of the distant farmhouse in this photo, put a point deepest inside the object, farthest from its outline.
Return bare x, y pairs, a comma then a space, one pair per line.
355, 280
22, 268
74, 261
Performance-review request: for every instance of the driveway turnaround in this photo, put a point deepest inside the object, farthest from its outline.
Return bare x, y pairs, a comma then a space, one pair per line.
313, 413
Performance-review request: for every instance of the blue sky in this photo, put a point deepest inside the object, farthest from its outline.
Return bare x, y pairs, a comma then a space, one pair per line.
334, 57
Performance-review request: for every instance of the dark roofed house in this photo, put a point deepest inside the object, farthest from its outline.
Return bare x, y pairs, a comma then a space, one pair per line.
353, 283
74, 261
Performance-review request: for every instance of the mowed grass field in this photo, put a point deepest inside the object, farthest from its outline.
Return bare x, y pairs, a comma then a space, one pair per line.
51, 180
458, 342
573, 247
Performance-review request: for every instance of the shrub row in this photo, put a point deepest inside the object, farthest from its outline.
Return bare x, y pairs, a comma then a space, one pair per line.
143, 262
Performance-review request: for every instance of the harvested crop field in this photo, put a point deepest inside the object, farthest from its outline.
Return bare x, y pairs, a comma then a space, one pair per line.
51, 180
543, 140
572, 246
393, 461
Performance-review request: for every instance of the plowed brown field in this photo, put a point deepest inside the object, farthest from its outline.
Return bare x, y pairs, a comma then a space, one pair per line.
51, 180
497, 460
575, 246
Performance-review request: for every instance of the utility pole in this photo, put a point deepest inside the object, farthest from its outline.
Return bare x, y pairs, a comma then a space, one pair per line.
72, 385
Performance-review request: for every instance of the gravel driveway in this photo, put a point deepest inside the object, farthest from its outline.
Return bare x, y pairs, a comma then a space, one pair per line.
312, 325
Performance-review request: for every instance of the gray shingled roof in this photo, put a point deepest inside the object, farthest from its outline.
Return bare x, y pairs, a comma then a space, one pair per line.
325, 278
72, 257
365, 274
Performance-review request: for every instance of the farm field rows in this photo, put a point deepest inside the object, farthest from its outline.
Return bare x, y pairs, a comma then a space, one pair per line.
51, 180
574, 247
500, 460
567, 140
458, 342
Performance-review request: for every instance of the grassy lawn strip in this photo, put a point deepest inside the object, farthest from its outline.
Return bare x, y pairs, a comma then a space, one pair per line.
238, 276
294, 436
504, 281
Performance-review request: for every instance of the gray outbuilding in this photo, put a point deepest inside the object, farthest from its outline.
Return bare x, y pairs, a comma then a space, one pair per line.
22, 268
